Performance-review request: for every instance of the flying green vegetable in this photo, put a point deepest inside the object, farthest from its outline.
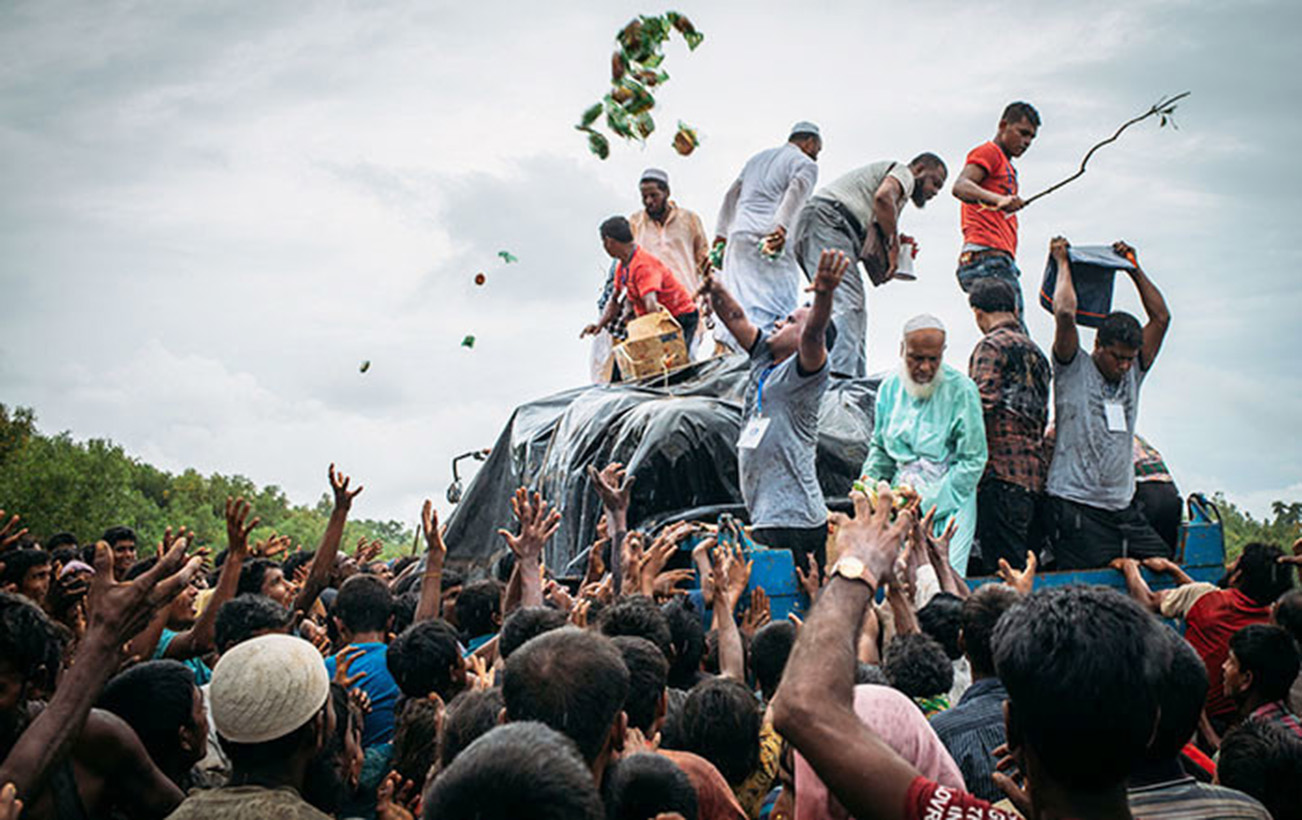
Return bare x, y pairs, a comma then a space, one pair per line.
366, 365
469, 341
507, 257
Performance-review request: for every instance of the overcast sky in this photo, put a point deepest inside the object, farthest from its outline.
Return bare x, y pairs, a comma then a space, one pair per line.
212, 212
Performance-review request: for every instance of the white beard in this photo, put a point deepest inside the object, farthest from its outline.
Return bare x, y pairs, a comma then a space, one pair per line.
918, 391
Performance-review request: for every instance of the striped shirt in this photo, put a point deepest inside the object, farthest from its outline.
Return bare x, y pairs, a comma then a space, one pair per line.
1278, 714
1187, 799
971, 731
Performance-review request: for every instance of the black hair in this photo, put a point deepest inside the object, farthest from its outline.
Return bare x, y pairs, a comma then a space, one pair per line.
18, 562
1270, 654
638, 615
526, 623
295, 560
156, 699
647, 673
571, 680
469, 715
721, 723
423, 657
478, 607
60, 539
504, 565
1120, 328
1288, 613
451, 578
1015, 112
618, 229
113, 535
918, 666
29, 641
404, 609
66, 554
942, 619
416, 739
244, 617
401, 563
769, 650
253, 573
522, 770
978, 618
801, 136
645, 785
140, 568
1064, 654
688, 637
1263, 760
870, 673
992, 295
272, 754
929, 160
1181, 687
1261, 576
364, 604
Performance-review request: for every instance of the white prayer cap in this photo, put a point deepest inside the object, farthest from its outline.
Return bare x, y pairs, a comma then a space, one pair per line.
655, 175
923, 321
267, 687
805, 127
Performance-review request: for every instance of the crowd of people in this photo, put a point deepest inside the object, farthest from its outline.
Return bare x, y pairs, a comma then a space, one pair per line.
266, 680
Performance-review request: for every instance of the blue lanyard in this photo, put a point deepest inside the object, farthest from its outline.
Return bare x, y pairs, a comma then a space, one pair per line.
759, 390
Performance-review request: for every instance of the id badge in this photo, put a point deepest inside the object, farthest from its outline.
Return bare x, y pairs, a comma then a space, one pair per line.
1115, 414
753, 432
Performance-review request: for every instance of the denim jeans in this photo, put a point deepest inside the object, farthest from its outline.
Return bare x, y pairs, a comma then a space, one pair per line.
999, 266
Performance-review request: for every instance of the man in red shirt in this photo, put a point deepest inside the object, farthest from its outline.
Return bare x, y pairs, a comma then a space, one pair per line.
644, 280
987, 187
1081, 708
1213, 613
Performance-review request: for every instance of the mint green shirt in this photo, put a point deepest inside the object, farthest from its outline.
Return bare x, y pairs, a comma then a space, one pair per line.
938, 445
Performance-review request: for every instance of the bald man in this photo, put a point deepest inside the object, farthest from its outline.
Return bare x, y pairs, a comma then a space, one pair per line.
928, 432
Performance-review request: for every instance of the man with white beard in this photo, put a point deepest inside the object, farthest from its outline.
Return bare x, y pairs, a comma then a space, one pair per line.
928, 432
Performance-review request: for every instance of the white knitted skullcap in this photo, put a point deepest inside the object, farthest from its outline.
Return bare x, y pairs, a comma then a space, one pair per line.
923, 321
267, 687
655, 175
806, 127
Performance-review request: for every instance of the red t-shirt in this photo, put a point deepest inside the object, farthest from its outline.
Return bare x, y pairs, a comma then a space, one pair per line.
928, 800
1209, 625
982, 226
645, 274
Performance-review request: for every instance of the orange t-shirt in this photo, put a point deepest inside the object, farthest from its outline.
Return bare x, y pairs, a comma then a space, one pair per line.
982, 226
645, 274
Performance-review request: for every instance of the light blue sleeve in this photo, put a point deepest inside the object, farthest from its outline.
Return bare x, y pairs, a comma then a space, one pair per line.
969, 437
880, 466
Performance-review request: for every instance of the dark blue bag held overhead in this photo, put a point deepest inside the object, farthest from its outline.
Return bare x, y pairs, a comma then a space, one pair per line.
1093, 268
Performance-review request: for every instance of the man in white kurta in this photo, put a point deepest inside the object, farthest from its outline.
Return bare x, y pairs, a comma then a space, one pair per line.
928, 432
762, 204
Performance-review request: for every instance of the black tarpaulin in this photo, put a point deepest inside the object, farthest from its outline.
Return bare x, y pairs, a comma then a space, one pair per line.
678, 437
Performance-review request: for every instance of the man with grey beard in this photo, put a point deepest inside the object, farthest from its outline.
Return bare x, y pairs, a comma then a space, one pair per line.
928, 432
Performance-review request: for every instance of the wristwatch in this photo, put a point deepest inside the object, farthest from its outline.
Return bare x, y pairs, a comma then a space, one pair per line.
853, 569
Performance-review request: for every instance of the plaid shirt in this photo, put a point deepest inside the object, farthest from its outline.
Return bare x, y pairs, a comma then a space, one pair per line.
1013, 376
1149, 464
1278, 714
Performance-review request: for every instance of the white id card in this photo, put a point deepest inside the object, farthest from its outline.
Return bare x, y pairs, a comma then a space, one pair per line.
753, 432
1115, 413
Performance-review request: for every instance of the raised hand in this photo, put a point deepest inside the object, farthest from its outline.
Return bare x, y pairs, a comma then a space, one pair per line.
11, 808
871, 536
8, 538
634, 556
811, 582
478, 675
120, 610
704, 568
1058, 248
758, 614
344, 664
429, 525
237, 531
316, 635
537, 525
1021, 580
343, 496
666, 583
397, 799
613, 485
832, 266
732, 571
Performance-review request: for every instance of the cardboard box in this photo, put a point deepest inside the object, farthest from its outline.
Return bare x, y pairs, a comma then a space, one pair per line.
654, 347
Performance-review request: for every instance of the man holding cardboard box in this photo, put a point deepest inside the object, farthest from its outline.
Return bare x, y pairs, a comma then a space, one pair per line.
644, 280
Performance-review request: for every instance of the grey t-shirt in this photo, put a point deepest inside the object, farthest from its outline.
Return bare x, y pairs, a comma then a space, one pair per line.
779, 481
857, 189
1093, 464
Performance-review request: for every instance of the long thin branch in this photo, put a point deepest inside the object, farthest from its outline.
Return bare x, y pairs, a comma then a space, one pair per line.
1161, 107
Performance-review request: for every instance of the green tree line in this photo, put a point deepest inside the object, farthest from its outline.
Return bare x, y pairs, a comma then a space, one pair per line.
1282, 528
58, 484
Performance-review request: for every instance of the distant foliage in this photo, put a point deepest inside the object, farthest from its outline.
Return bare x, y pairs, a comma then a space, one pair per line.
1282, 529
57, 484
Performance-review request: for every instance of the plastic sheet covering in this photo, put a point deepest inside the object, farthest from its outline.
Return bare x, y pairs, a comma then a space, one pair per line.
677, 436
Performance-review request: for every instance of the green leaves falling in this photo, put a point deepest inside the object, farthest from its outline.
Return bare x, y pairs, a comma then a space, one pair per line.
634, 71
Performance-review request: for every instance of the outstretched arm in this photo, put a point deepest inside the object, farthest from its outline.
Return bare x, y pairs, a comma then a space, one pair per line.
1066, 338
727, 309
1159, 317
813, 337
324, 562
431, 582
198, 639
536, 526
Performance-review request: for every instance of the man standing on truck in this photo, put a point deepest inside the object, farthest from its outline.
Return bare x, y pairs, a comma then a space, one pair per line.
647, 283
779, 437
987, 186
1093, 517
671, 234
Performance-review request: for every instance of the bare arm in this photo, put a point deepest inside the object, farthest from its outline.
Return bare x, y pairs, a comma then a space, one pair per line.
731, 574
967, 188
608, 315
813, 341
324, 562
536, 526
651, 302
814, 705
1159, 316
886, 204
431, 582
1136, 585
1066, 338
109, 745
200, 638
727, 309
615, 488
